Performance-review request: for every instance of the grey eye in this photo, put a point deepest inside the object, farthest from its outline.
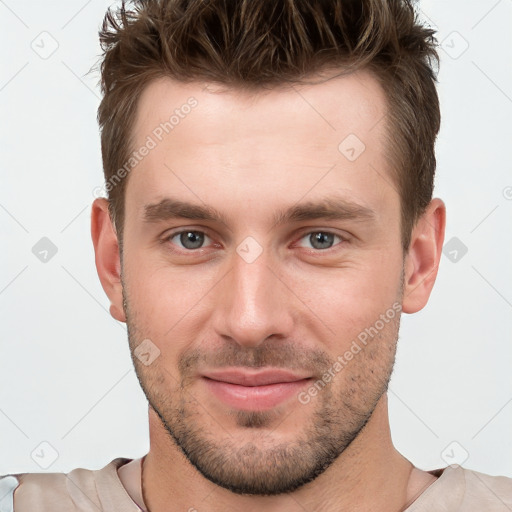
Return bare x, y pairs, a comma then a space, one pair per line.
321, 239
191, 239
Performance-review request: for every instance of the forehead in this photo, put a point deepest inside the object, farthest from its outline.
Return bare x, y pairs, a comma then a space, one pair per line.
348, 104
208, 141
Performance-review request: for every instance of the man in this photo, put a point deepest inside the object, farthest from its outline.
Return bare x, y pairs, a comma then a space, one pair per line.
269, 169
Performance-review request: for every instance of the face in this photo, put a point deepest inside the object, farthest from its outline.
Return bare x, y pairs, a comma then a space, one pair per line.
262, 272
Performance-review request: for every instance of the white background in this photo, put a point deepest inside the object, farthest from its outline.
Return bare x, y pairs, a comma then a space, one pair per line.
66, 377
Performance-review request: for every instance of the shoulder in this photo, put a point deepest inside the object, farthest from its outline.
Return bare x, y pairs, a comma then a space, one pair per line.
56, 492
458, 489
486, 492
8, 484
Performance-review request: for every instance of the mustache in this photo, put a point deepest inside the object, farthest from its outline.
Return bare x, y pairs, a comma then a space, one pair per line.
288, 356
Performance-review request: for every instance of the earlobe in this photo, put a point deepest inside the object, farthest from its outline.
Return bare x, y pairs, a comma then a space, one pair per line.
423, 256
107, 256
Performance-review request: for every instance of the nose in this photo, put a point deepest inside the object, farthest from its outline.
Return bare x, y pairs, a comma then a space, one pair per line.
252, 303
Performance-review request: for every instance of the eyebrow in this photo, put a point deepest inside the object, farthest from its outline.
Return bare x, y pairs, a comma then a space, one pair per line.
333, 208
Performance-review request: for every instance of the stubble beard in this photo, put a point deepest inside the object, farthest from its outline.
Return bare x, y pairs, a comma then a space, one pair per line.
263, 465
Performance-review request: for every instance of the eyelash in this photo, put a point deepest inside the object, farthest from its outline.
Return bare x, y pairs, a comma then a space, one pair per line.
169, 237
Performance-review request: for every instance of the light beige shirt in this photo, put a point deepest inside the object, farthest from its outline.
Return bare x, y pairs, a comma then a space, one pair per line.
117, 488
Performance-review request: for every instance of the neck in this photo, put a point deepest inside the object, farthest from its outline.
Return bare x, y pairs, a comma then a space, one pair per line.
369, 475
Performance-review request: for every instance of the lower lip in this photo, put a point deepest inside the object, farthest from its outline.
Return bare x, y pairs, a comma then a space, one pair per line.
254, 398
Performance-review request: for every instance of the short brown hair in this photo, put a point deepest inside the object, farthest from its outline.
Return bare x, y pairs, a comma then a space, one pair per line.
262, 43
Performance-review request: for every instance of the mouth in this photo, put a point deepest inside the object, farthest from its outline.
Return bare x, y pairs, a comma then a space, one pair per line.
254, 391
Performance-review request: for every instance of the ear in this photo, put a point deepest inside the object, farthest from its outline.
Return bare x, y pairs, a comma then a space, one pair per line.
422, 259
107, 258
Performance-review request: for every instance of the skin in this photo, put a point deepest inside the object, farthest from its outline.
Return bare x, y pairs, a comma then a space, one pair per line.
295, 306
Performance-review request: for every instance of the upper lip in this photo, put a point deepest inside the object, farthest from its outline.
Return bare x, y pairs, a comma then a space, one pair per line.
254, 378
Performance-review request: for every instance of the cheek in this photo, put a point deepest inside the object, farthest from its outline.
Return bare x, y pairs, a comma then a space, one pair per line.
157, 289
166, 305
348, 300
